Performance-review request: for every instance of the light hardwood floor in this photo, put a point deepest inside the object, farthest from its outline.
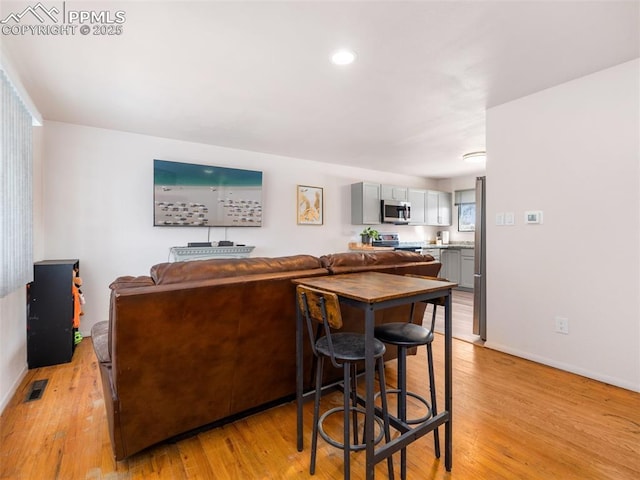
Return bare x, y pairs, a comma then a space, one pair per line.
512, 419
462, 320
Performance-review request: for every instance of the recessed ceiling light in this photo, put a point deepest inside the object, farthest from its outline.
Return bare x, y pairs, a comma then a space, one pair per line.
475, 157
343, 57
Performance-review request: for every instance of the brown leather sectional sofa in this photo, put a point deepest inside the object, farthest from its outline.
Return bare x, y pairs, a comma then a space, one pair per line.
202, 342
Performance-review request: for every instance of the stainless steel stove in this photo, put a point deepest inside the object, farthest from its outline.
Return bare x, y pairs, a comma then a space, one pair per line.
387, 240
393, 240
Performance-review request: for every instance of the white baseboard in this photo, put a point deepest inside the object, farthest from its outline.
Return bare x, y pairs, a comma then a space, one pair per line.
618, 382
12, 391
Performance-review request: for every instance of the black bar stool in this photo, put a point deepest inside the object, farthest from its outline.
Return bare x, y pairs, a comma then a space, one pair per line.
344, 349
404, 336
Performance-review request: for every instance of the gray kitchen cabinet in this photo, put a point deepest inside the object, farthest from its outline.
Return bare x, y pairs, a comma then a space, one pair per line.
393, 192
365, 203
467, 256
450, 259
418, 200
438, 208
428, 207
457, 266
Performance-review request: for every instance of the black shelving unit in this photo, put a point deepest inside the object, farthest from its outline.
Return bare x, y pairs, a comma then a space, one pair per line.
50, 333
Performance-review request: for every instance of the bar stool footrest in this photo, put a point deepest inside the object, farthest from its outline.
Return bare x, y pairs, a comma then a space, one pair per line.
413, 421
352, 447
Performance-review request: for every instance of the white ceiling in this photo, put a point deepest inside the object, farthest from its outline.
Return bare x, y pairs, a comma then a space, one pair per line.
257, 76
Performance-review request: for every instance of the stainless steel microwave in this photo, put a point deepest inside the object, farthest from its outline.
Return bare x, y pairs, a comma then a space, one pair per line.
394, 211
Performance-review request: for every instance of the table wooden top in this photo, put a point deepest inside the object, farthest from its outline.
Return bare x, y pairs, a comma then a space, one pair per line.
373, 287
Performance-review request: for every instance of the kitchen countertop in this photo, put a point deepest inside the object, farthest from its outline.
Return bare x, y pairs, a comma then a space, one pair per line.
450, 245
356, 246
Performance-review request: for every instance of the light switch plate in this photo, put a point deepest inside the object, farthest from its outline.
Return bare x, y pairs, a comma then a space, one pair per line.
500, 218
509, 218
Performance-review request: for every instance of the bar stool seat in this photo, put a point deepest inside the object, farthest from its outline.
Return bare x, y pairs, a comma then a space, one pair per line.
405, 334
348, 347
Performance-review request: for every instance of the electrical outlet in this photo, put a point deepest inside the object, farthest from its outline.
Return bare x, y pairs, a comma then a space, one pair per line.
562, 325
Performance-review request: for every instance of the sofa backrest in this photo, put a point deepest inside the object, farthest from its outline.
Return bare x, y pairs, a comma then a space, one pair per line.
399, 262
178, 272
129, 281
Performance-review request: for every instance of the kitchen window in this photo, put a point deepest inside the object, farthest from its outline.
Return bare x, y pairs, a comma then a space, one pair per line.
467, 217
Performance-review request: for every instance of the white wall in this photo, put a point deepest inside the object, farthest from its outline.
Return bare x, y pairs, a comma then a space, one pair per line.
572, 151
98, 205
13, 339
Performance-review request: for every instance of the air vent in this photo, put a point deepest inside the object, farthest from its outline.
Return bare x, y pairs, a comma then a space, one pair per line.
36, 390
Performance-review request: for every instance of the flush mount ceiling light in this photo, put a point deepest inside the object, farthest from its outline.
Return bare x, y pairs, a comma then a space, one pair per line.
475, 157
343, 57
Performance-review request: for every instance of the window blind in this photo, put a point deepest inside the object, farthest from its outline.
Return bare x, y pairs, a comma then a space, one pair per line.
465, 196
16, 191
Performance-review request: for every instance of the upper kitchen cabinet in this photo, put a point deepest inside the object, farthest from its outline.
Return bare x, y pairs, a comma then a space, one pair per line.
392, 192
418, 200
428, 207
438, 208
365, 203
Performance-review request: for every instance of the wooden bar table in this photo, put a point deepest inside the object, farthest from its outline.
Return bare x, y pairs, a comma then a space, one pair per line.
371, 291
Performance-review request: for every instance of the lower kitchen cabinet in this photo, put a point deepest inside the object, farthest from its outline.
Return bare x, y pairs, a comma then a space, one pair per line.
457, 266
450, 270
434, 252
467, 257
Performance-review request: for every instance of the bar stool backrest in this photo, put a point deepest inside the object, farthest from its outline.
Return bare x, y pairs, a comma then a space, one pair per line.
323, 308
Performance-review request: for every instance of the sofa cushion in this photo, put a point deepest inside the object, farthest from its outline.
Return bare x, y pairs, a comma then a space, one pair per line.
100, 340
178, 272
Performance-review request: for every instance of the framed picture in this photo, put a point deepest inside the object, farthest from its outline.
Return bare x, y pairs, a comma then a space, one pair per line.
467, 217
310, 205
